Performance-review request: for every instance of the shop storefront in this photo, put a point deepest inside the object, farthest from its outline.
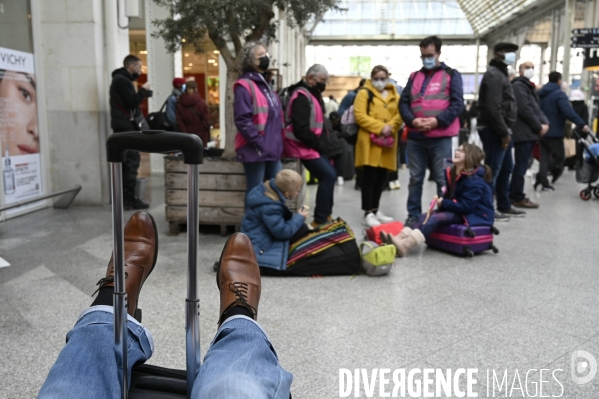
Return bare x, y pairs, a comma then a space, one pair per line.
22, 167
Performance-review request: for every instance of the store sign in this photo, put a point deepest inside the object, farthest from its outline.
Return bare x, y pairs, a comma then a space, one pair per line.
19, 131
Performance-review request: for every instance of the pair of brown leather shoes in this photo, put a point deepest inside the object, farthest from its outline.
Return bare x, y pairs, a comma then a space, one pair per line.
238, 275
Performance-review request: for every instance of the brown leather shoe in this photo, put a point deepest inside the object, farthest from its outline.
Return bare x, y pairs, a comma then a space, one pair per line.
525, 203
141, 251
238, 276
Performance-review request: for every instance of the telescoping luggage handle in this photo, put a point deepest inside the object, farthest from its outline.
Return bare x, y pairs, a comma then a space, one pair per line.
156, 141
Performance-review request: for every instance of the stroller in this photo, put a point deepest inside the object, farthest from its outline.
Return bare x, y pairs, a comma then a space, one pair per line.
587, 164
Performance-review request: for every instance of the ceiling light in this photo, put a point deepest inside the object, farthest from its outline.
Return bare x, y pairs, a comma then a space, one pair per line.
216, 64
216, 52
183, 40
190, 64
187, 54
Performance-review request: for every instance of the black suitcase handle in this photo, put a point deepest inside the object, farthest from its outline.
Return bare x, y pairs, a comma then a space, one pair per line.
155, 141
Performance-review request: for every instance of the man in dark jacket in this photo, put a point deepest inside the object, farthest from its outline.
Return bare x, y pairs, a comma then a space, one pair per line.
530, 125
125, 116
555, 104
497, 114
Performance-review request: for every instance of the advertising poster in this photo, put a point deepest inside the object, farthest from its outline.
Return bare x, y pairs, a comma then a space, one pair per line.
19, 136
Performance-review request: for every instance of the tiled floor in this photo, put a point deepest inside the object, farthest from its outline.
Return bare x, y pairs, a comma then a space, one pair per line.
528, 307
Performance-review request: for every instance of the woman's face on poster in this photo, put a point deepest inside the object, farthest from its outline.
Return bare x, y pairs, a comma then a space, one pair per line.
18, 114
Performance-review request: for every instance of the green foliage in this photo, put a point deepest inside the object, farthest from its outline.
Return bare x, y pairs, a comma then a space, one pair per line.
233, 21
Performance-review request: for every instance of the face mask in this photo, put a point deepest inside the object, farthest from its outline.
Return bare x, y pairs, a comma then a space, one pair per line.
183, 88
379, 85
429, 62
529, 73
264, 62
510, 58
321, 86
135, 75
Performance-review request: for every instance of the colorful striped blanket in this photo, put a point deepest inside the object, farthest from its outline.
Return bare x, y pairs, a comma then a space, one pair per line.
320, 239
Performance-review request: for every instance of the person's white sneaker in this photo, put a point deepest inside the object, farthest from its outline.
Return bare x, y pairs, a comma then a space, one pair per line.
371, 220
396, 185
529, 173
340, 181
381, 217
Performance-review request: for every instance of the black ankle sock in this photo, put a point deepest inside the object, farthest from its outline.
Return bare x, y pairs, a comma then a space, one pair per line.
238, 311
105, 297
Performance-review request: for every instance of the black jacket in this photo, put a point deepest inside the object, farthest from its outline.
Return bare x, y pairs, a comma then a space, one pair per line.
328, 144
530, 116
496, 103
125, 101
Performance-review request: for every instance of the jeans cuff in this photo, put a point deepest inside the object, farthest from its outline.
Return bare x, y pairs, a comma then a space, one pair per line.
110, 309
230, 319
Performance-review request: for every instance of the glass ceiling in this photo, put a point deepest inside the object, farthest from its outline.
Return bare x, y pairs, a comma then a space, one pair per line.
395, 18
485, 14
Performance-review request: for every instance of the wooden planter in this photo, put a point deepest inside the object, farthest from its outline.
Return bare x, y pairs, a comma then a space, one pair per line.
222, 192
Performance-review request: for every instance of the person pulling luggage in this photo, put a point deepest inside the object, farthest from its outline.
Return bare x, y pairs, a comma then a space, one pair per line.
468, 197
241, 362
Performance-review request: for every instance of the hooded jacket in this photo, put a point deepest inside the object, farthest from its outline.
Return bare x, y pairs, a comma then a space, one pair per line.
530, 116
270, 224
259, 148
193, 116
470, 196
496, 102
556, 105
125, 101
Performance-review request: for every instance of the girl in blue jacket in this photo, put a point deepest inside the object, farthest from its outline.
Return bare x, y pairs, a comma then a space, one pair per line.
468, 199
270, 224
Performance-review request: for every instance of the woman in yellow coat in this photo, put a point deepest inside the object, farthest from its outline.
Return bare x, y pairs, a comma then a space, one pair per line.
376, 147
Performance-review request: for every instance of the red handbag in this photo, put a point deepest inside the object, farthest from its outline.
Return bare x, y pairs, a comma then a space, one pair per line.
374, 233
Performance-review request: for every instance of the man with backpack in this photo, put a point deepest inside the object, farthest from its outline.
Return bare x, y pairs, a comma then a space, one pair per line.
430, 105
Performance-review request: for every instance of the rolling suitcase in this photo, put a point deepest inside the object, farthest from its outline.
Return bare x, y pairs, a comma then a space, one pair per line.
463, 240
152, 382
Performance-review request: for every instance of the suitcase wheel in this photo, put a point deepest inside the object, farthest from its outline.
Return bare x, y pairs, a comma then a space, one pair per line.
470, 233
585, 195
494, 249
468, 252
137, 315
494, 230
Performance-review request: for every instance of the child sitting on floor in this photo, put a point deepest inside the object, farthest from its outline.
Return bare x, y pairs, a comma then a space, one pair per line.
468, 198
270, 224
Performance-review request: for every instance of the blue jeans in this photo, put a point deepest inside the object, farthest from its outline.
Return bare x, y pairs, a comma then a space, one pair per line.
322, 170
241, 362
522, 153
437, 219
501, 163
259, 172
418, 152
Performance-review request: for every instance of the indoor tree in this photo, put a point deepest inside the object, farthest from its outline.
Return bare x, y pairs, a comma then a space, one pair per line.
229, 24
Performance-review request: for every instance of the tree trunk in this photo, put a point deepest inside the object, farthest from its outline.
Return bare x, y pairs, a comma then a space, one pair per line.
231, 130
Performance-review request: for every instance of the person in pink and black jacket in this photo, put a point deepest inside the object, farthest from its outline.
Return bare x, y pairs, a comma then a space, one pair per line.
258, 117
430, 105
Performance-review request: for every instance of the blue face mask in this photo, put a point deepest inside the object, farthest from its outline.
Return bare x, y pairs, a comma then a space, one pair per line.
429, 62
183, 88
510, 58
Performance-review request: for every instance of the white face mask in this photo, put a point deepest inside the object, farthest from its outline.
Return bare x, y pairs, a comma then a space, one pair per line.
510, 58
529, 73
379, 85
